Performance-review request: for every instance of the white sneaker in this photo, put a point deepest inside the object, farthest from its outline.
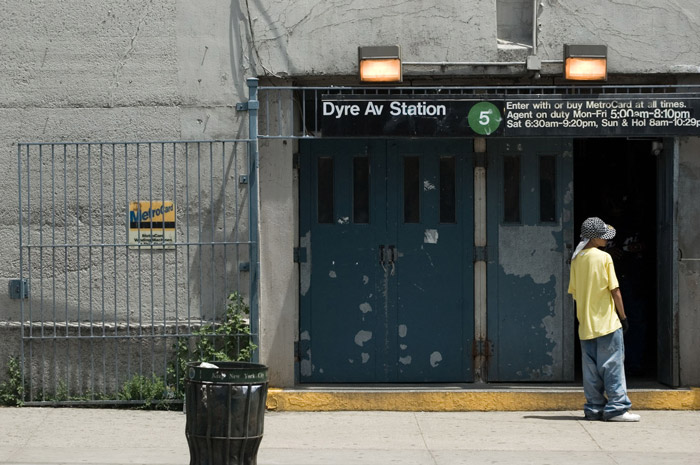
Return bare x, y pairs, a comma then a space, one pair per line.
626, 417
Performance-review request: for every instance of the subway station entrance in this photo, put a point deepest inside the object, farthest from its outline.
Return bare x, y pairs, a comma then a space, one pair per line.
434, 246
389, 281
627, 182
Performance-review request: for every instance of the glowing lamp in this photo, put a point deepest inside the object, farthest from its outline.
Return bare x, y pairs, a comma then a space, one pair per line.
586, 62
380, 64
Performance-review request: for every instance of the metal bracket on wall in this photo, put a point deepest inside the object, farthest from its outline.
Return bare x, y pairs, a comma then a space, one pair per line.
19, 289
245, 106
244, 266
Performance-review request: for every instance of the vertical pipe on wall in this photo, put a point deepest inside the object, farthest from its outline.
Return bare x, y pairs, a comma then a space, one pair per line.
253, 164
534, 27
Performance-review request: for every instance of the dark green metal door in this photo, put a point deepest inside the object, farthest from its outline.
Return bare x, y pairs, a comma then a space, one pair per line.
386, 281
530, 224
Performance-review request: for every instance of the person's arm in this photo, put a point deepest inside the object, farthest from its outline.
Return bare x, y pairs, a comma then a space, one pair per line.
619, 306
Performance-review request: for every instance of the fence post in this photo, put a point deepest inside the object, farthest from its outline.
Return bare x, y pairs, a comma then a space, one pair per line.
253, 155
21, 265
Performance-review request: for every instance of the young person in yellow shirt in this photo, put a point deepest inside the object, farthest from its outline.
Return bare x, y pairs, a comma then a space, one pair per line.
602, 321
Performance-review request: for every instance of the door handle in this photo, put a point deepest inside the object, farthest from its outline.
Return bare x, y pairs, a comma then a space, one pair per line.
382, 257
393, 256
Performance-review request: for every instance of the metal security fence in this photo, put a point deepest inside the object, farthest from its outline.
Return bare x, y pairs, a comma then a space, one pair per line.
136, 257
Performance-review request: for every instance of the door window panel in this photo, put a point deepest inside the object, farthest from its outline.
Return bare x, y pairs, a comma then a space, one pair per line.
325, 190
360, 190
448, 208
411, 190
547, 189
511, 189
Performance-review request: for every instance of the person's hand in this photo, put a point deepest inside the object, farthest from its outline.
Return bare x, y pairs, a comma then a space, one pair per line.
625, 325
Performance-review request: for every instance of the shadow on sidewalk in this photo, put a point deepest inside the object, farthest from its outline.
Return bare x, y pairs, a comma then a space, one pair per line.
555, 417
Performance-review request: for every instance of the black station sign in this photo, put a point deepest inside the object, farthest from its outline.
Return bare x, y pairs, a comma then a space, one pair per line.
510, 116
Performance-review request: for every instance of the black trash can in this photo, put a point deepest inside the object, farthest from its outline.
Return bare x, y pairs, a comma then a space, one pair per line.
225, 409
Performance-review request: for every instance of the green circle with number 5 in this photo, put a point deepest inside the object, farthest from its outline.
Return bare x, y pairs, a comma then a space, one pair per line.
484, 118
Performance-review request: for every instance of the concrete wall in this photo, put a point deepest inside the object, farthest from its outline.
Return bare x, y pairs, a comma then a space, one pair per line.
128, 70
163, 70
279, 285
689, 266
309, 37
514, 18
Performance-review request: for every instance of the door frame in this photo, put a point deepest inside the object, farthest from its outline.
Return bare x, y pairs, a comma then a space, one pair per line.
668, 350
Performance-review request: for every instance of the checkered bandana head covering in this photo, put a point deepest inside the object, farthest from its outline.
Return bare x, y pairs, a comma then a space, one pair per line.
593, 228
596, 228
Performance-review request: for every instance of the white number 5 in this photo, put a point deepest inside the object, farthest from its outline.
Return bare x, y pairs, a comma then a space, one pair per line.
484, 117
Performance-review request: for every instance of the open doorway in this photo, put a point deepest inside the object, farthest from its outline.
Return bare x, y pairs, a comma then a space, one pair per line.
615, 179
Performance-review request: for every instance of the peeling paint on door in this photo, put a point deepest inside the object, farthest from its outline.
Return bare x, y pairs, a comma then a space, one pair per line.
538, 243
362, 336
305, 268
403, 330
305, 366
431, 236
365, 307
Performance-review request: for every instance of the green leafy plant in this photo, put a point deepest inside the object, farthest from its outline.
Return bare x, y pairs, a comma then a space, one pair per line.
226, 340
152, 391
12, 391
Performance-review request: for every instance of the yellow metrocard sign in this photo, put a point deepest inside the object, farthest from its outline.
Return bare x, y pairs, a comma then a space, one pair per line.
152, 224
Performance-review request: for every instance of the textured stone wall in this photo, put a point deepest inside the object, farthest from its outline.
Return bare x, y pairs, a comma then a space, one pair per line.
138, 70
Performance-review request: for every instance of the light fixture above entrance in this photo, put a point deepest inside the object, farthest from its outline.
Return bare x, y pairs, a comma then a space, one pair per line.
380, 64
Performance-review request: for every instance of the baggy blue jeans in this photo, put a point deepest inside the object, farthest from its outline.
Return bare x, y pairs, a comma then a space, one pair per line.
604, 383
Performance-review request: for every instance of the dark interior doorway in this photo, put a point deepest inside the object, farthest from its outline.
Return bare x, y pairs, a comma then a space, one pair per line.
615, 179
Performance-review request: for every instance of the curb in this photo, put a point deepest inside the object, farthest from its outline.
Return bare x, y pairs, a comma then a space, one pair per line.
291, 400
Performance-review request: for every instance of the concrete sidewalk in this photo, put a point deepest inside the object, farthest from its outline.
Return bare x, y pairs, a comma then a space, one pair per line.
109, 436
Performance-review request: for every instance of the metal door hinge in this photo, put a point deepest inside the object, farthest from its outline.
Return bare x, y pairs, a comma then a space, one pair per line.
299, 254
480, 160
482, 348
480, 254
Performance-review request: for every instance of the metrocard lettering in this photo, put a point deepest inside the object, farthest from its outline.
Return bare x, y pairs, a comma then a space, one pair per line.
142, 216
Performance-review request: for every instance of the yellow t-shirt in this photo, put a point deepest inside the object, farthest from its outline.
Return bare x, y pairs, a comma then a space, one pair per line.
592, 279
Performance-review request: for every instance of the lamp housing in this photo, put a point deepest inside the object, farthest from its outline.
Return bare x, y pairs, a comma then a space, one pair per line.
586, 62
380, 63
